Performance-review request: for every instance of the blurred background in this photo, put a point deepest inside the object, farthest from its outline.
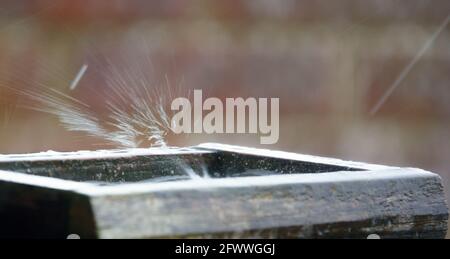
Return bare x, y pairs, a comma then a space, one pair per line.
329, 62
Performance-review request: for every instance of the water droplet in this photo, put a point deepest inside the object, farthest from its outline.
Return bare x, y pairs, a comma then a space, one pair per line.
373, 236
73, 236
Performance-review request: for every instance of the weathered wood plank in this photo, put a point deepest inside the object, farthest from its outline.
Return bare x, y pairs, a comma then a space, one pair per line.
293, 196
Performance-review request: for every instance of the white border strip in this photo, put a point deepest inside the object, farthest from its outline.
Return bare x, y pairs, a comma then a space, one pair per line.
206, 184
98, 154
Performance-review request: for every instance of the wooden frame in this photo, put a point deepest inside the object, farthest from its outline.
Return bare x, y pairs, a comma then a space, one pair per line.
99, 194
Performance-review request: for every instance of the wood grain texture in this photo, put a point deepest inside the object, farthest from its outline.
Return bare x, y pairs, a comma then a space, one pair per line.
301, 197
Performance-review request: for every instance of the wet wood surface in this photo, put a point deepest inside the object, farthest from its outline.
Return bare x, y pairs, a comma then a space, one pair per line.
249, 193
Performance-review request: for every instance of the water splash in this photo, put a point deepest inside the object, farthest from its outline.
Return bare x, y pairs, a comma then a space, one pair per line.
138, 114
7, 111
143, 121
